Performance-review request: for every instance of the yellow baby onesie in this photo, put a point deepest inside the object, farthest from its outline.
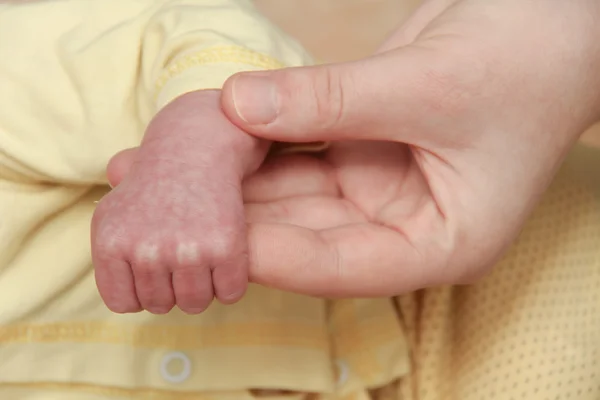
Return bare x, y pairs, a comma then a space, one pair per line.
79, 81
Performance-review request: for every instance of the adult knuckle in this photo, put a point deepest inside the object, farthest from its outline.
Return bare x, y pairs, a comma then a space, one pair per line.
328, 94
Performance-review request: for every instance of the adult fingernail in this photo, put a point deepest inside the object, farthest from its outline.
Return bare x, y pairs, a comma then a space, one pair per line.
255, 99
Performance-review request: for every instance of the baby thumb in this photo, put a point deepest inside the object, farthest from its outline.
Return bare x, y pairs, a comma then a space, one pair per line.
119, 166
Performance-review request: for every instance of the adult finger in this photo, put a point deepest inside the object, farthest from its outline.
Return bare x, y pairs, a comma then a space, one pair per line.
310, 212
357, 260
384, 97
290, 176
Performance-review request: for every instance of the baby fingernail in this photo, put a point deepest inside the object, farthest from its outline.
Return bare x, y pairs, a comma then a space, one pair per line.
194, 310
159, 310
255, 99
231, 297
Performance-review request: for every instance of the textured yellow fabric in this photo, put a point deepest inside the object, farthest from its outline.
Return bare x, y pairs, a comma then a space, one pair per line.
93, 73
531, 330
80, 79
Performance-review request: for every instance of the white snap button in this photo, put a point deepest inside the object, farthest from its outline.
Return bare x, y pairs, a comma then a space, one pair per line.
343, 372
182, 374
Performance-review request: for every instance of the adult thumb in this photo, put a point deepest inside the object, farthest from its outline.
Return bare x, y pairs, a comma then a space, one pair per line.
377, 98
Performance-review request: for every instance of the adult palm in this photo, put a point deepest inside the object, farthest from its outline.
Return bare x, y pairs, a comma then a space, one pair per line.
442, 143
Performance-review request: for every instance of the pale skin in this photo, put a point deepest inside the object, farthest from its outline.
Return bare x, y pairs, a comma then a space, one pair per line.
173, 232
443, 143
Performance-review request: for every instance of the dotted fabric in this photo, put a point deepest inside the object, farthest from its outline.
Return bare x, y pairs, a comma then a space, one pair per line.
530, 330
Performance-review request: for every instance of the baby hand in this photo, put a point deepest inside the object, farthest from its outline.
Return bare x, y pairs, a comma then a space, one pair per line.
173, 232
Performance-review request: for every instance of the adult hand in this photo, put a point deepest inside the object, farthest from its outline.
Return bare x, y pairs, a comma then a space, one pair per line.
443, 143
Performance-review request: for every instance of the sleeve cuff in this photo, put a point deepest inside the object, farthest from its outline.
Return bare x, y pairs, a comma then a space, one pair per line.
210, 68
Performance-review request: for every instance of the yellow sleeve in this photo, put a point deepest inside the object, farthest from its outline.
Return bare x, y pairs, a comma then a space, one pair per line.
81, 79
210, 42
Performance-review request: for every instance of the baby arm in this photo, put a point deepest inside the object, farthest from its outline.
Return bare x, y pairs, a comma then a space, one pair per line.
87, 85
173, 232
